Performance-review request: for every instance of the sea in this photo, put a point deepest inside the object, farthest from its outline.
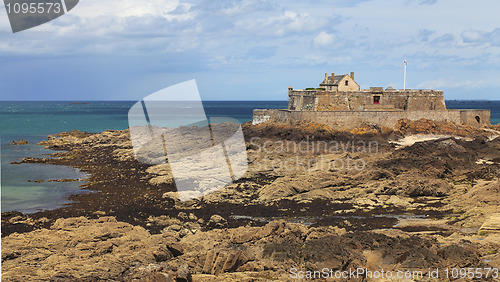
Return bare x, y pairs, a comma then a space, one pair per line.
27, 187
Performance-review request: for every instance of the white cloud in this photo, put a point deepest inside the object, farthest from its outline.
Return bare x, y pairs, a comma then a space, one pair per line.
236, 36
323, 39
442, 83
427, 2
125, 8
125, 26
285, 24
473, 36
240, 7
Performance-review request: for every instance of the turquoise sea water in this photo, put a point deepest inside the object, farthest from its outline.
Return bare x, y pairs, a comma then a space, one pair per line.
34, 121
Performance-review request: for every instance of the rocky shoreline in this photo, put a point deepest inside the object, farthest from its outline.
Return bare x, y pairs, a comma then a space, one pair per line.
312, 198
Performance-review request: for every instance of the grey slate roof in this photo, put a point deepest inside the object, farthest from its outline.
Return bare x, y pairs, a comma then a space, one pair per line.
337, 78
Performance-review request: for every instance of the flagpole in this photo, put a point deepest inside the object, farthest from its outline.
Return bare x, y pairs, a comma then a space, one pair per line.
404, 82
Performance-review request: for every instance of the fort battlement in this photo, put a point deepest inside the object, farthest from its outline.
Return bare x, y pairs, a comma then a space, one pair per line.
374, 98
340, 103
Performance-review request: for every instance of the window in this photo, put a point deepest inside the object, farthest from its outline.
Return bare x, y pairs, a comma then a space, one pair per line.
347, 83
376, 99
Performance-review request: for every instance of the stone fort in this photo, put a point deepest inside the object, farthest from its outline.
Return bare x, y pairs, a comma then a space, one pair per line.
340, 103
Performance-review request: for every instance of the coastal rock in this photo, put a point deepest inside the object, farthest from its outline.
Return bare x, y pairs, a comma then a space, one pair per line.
161, 169
123, 155
104, 248
184, 273
479, 199
492, 224
157, 272
412, 186
19, 142
217, 221
78, 246
232, 234
217, 263
161, 180
171, 195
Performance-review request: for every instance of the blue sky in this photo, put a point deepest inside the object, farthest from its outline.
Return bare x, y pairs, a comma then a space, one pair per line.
252, 49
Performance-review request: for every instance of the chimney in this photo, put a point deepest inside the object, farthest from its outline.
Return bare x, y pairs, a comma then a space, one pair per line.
333, 77
326, 77
352, 75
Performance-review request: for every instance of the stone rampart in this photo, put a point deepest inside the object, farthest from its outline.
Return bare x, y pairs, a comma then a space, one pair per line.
408, 100
353, 119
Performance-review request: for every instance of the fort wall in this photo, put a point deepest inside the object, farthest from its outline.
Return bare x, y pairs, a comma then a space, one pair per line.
409, 100
353, 119
341, 104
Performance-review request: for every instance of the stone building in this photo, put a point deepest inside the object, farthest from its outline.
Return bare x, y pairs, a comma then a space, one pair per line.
339, 83
340, 103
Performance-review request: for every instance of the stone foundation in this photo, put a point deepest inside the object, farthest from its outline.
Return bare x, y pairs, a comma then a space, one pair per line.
353, 119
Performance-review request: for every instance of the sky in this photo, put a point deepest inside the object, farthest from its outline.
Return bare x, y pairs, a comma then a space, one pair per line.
252, 49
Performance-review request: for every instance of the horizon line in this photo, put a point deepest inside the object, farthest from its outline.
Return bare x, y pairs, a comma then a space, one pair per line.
84, 101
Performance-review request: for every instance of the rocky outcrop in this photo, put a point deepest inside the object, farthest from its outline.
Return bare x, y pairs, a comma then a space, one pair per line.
157, 272
79, 247
19, 142
293, 208
492, 224
100, 249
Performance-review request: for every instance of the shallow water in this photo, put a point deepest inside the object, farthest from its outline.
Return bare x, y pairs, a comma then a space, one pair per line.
24, 196
34, 121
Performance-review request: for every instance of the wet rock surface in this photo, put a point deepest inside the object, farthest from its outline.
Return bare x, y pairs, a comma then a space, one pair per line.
311, 198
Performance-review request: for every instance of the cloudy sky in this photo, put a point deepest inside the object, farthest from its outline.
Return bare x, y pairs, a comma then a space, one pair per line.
252, 49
